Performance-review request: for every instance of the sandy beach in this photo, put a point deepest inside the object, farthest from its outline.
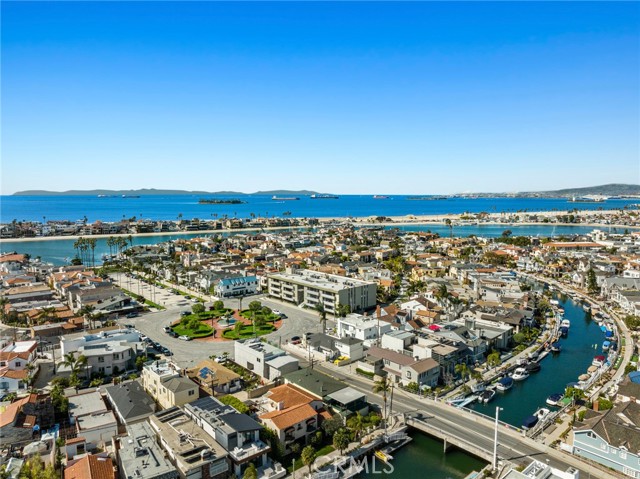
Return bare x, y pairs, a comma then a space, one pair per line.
407, 220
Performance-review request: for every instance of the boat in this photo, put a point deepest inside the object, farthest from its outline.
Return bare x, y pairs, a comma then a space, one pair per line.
542, 413
588, 199
565, 323
131, 196
598, 361
529, 422
478, 388
555, 347
383, 456
504, 384
584, 377
555, 302
284, 198
380, 197
520, 374
324, 197
554, 399
605, 346
533, 367
487, 395
563, 331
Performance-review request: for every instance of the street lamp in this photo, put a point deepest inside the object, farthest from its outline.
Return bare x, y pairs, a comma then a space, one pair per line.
495, 440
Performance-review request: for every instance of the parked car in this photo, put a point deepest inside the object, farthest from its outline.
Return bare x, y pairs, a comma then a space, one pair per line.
221, 359
185, 313
173, 334
187, 297
185, 337
133, 315
296, 340
167, 329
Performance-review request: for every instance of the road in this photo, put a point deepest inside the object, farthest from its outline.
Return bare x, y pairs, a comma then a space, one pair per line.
188, 353
476, 429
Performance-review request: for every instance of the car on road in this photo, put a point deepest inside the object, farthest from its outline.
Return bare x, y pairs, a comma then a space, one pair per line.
296, 340
167, 352
279, 313
185, 313
187, 297
185, 337
221, 359
173, 334
167, 329
132, 315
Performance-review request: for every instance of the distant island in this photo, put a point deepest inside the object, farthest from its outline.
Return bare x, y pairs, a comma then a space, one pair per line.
153, 191
609, 190
213, 201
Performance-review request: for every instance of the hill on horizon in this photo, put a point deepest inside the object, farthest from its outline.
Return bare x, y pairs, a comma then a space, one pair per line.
153, 191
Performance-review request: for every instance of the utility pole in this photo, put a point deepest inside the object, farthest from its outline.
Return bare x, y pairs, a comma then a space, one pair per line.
495, 440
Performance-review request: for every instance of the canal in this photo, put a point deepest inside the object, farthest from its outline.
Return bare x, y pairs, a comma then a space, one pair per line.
578, 350
424, 457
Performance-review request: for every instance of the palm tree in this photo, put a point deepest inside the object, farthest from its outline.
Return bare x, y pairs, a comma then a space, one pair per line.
73, 363
46, 313
357, 424
463, 370
87, 311
319, 307
91, 243
450, 225
383, 385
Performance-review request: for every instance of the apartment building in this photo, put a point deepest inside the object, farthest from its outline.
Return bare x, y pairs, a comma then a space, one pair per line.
367, 329
310, 288
162, 380
138, 454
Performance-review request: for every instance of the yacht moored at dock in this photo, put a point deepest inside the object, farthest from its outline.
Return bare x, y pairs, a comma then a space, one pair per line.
554, 399
487, 395
529, 422
505, 384
520, 374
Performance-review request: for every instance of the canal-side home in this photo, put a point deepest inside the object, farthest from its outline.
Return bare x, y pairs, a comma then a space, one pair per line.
611, 438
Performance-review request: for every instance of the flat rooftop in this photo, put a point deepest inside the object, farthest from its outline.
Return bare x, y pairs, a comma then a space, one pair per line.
87, 403
141, 456
325, 281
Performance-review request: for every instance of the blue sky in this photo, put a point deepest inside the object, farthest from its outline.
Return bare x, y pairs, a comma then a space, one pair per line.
413, 98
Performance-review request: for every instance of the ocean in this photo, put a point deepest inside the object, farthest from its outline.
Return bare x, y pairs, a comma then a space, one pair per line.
171, 207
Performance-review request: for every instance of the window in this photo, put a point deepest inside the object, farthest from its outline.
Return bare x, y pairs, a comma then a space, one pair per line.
18, 364
101, 359
591, 435
192, 392
408, 374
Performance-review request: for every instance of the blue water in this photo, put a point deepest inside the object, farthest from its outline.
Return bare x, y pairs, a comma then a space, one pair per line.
557, 370
61, 251
165, 207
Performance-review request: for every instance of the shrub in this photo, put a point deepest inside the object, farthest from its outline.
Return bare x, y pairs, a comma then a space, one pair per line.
235, 403
368, 374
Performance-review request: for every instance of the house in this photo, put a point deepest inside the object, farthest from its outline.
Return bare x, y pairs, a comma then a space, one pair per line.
71, 343
90, 467
19, 418
195, 454
238, 433
367, 329
310, 288
239, 286
211, 374
139, 455
611, 438
405, 369
333, 347
162, 380
93, 421
130, 402
108, 358
292, 413
397, 340
267, 361
15, 359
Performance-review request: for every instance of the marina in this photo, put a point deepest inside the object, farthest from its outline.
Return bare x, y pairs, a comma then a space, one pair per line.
546, 387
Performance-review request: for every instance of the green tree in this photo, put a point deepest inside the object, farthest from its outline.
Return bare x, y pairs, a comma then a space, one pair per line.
357, 424
383, 385
332, 425
519, 338
250, 472
493, 359
592, 283
255, 306
341, 440
197, 308
218, 305
34, 469
463, 370
308, 455
507, 233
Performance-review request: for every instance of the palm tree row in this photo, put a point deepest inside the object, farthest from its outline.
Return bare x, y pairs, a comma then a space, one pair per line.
82, 247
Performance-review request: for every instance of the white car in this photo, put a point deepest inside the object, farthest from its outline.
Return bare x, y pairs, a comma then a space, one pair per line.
185, 338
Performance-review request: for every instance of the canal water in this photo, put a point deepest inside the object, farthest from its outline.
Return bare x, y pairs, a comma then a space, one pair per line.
583, 342
424, 457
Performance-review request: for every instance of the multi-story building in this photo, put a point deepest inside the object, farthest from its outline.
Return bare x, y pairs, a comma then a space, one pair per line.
310, 288
109, 358
195, 453
367, 329
162, 380
239, 286
70, 343
139, 455
14, 359
263, 359
237, 433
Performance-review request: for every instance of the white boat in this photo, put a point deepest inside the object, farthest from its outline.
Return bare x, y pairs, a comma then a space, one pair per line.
520, 374
504, 384
554, 399
565, 323
542, 413
555, 302
478, 388
487, 395
598, 361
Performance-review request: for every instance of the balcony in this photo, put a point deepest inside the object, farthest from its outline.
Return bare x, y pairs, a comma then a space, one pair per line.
273, 470
249, 451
